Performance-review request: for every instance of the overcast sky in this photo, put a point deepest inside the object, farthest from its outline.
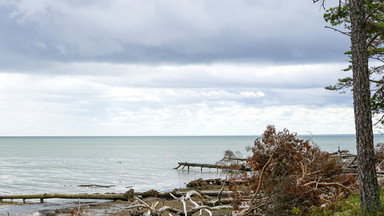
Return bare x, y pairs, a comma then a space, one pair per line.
169, 67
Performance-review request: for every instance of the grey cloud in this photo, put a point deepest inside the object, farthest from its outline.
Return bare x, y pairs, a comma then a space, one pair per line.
167, 32
239, 75
315, 97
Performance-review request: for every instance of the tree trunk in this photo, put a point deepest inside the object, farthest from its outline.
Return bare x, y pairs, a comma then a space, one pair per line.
368, 186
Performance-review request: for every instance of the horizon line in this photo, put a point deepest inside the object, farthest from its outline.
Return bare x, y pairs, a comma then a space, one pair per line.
149, 136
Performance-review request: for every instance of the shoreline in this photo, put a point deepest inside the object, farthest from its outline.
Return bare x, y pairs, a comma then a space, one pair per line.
63, 207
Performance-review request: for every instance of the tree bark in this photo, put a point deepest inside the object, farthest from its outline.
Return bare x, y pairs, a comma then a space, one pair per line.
368, 186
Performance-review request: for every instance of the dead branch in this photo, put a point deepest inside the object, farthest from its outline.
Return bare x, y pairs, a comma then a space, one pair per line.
188, 196
259, 185
298, 175
337, 30
262, 173
329, 184
213, 166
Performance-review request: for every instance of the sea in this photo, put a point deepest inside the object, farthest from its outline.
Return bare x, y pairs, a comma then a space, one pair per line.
35, 165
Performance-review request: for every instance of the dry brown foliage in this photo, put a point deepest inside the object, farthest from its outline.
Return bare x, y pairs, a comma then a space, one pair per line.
287, 173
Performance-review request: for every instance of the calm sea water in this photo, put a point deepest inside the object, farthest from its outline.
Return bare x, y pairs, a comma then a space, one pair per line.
30, 165
61, 164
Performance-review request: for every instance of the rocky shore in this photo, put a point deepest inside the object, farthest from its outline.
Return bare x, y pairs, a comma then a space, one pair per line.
120, 207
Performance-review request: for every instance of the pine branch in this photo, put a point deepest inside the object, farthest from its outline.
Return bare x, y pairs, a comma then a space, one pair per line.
337, 30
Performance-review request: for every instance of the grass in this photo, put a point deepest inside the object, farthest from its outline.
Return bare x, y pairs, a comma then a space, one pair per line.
346, 207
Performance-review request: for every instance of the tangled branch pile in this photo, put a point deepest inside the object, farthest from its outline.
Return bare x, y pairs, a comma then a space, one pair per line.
288, 174
143, 208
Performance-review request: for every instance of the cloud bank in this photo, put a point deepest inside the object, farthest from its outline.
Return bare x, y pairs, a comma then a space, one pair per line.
175, 67
172, 100
170, 31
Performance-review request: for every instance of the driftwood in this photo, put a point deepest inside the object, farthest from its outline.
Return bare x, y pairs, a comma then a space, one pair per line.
65, 196
340, 152
343, 154
213, 166
201, 206
347, 160
118, 196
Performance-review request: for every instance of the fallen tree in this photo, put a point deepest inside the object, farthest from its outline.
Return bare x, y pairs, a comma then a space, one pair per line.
129, 195
290, 173
212, 166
